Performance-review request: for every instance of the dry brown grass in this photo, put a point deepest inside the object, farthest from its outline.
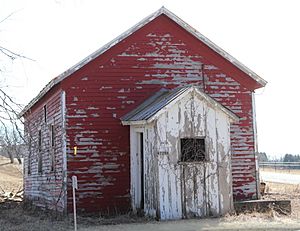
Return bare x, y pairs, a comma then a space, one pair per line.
17, 216
14, 216
276, 191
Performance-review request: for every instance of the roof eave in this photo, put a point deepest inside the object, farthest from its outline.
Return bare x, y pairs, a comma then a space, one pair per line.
129, 122
89, 58
43, 92
215, 47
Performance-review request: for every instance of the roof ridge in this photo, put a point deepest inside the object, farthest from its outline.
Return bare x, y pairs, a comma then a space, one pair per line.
146, 20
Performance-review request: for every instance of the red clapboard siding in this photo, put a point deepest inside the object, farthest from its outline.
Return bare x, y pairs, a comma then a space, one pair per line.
160, 54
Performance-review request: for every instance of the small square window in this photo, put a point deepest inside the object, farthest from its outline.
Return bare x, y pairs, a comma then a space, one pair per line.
192, 149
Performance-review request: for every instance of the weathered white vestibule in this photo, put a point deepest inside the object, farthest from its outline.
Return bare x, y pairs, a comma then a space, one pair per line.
180, 155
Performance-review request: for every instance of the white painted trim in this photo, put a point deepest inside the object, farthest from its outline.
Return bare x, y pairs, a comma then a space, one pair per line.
135, 171
255, 146
64, 148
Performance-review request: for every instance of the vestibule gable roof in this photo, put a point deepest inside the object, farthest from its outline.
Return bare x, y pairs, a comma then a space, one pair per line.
260, 82
152, 107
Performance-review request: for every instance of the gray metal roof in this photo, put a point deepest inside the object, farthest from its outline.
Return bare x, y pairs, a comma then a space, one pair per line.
127, 33
164, 97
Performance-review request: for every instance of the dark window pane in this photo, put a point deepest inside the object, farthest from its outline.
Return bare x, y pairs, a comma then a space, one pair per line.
192, 149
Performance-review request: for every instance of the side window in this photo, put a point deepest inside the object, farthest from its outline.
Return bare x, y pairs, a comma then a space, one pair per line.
192, 150
52, 147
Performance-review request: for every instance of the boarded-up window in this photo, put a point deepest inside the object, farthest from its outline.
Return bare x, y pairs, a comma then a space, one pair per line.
45, 113
40, 160
52, 148
192, 149
29, 163
29, 157
52, 135
40, 141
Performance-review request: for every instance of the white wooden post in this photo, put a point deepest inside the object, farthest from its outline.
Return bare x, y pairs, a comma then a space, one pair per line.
74, 186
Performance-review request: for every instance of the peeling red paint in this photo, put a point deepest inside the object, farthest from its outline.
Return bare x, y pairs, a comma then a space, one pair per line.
160, 54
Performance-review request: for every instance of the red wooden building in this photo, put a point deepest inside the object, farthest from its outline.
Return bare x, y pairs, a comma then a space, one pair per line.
74, 124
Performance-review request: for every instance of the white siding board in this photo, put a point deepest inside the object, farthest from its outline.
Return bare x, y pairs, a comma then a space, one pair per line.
176, 190
225, 178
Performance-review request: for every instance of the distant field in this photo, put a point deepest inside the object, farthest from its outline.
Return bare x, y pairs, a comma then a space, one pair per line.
280, 170
11, 177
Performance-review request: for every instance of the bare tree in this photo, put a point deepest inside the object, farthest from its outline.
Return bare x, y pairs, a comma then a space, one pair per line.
11, 144
11, 127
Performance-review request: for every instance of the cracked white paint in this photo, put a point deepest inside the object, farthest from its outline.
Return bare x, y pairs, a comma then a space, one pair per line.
47, 188
173, 189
